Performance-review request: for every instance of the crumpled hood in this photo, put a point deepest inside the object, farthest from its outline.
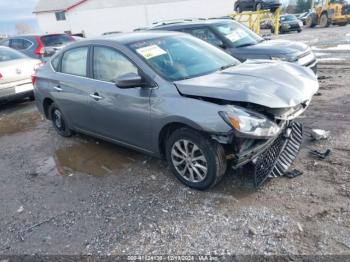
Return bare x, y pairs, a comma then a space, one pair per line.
277, 47
269, 84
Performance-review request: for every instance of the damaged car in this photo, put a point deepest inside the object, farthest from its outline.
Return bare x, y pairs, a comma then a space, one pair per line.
177, 97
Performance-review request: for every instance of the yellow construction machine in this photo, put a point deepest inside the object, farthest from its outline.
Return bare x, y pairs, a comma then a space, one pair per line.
329, 12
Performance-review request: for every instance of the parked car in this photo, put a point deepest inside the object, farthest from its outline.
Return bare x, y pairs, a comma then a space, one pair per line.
16, 70
38, 46
303, 17
172, 95
289, 23
256, 5
242, 43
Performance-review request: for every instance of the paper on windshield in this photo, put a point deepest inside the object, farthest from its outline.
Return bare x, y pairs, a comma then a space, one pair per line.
151, 51
237, 35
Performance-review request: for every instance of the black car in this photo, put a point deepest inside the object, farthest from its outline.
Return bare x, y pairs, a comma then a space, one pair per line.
242, 43
255, 5
289, 23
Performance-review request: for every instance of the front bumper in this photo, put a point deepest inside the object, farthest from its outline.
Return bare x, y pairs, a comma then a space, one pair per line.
276, 160
275, 157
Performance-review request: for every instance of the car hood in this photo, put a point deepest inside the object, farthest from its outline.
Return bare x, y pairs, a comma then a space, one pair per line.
276, 47
265, 83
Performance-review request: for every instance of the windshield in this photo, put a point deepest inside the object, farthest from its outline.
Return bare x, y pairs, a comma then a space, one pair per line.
238, 34
288, 18
55, 40
7, 54
182, 57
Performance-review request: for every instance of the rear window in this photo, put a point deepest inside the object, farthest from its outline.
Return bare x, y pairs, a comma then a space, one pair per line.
56, 40
7, 54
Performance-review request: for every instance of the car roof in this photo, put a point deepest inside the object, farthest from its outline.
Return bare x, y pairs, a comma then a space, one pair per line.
127, 38
189, 23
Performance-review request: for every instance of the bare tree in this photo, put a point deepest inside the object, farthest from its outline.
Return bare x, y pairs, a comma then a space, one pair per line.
23, 28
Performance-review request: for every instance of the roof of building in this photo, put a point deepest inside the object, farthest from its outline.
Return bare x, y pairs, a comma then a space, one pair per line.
66, 5
54, 5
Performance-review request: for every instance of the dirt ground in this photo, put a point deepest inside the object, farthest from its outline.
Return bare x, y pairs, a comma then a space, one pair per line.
83, 196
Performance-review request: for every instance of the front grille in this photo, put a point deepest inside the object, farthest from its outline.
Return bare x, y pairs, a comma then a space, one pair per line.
276, 160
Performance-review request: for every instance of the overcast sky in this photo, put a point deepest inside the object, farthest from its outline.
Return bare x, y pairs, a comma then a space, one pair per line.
16, 11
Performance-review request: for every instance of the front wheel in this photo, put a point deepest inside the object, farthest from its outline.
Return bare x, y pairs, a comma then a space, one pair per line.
324, 22
59, 121
197, 161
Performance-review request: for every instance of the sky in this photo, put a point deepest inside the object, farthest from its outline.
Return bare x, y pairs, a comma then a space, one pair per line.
13, 12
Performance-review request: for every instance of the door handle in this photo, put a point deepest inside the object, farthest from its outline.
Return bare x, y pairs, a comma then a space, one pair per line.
57, 88
96, 96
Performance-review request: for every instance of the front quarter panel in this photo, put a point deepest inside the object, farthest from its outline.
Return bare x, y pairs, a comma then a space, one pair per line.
169, 107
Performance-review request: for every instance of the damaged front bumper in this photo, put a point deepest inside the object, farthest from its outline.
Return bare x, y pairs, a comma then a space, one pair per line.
273, 158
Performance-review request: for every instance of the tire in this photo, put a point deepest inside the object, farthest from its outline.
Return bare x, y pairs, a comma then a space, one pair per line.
59, 121
311, 21
324, 22
300, 30
342, 24
211, 161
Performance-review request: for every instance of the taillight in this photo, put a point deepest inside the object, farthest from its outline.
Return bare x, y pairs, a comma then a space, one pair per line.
40, 50
34, 79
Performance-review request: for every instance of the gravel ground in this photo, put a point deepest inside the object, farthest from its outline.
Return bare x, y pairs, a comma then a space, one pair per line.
83, 196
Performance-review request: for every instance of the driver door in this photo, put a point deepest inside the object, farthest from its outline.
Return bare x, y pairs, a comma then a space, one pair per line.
119, 114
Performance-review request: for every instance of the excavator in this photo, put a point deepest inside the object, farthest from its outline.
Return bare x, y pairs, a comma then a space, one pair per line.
329, 12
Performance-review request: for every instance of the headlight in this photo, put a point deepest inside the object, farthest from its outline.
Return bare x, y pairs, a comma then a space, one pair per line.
277, 58
286, 59
250, 124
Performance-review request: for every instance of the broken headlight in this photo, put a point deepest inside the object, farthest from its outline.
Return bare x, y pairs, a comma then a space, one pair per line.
250, 124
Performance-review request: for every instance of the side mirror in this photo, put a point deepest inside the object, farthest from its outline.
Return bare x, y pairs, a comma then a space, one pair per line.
129, 80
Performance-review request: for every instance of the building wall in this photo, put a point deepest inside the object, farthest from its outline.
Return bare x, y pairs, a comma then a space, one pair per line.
48, 24
98, 16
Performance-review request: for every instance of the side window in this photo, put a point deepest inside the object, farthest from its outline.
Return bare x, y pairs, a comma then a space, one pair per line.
205, 34
5, 42
16, 44
55, 62
26, 44
74, 61
109, 64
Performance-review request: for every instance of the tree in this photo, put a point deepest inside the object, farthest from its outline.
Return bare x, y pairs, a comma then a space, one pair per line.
303, 6
23, 28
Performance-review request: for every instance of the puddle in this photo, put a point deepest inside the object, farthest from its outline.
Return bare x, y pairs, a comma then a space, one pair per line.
92, 159
15, 124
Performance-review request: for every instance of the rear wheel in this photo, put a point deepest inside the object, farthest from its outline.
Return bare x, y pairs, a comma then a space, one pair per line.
324, 22
196, 160
59, 121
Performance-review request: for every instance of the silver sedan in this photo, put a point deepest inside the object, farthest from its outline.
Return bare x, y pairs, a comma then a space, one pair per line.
16, 70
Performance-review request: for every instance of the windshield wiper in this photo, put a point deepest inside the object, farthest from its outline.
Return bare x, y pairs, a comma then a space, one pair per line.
226, 66
243, 45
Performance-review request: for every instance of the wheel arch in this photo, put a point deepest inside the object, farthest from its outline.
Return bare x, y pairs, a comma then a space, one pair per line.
169, 127
46, 105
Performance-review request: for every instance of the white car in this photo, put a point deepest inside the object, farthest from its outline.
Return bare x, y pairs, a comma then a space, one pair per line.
16, 70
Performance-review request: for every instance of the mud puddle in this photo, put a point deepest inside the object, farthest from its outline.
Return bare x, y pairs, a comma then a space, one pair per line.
19, 123
88, 158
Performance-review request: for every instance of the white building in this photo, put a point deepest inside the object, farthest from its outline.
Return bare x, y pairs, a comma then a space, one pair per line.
94, 17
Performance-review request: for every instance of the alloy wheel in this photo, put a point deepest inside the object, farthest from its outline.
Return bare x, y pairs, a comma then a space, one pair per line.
189, 161
58, 119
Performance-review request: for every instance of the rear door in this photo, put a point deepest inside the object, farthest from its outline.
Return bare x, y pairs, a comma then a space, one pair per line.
71, 88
